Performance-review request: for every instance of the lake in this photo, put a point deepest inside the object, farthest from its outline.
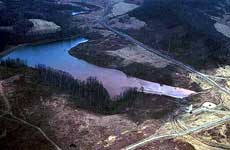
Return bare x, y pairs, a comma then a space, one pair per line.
56, 55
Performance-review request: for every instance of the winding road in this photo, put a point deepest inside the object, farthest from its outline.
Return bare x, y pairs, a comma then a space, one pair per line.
182, 133
186, 67
6, 102
178, 125
173, 61
9, 112
206, 78
103, 21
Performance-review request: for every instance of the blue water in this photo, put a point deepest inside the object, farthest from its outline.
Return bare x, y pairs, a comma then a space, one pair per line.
52, 54
56, 55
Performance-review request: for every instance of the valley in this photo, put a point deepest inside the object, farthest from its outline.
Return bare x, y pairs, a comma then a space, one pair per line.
124, 45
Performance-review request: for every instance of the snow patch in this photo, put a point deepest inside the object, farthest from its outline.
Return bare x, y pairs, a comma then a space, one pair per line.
224, 29
43, 27
122, 8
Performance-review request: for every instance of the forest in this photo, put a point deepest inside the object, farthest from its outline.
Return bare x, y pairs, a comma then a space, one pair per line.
14, 20
89, 94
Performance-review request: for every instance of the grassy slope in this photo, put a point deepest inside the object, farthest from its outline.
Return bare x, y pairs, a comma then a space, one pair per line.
183, 30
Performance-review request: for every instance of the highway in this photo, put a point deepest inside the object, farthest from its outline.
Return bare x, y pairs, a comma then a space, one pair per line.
186, 67
173, 61
185, 132
103, 21
179, 124
206, 78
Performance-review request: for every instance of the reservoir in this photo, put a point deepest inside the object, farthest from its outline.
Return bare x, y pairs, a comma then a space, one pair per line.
56, 55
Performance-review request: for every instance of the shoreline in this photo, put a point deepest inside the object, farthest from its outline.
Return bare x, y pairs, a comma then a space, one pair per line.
130, 82
11, 48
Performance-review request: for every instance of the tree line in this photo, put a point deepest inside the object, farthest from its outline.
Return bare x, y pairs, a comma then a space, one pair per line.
13, 63
89, 94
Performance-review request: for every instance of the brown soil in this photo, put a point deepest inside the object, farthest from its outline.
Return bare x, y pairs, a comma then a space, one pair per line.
169, 145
